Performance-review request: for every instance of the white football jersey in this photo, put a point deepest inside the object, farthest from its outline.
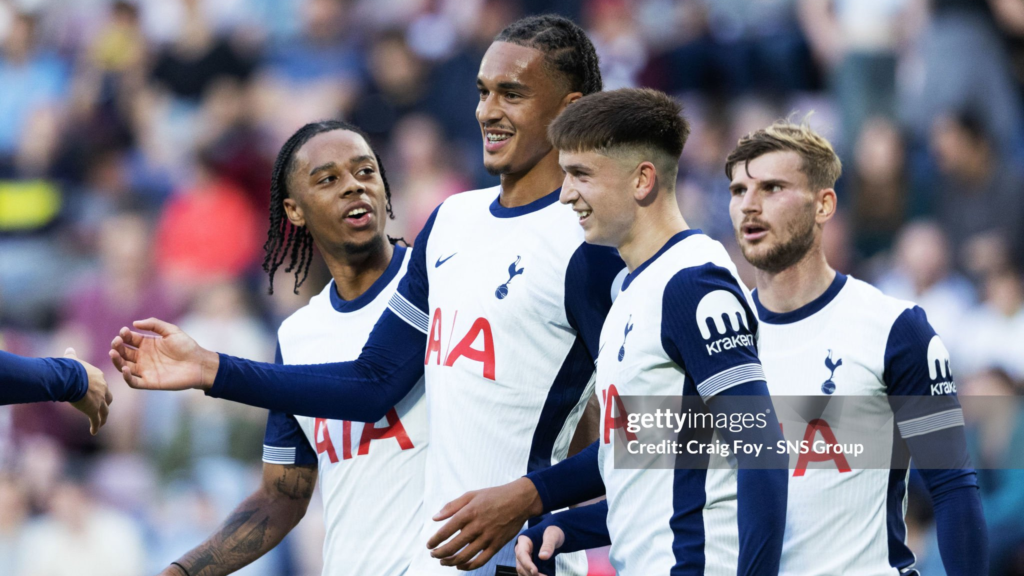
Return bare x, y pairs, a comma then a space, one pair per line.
854, 341
683, 325
511, 301
371, 475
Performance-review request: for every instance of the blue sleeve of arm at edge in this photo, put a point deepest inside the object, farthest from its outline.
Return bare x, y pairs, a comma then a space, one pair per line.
24, 380
362, 390
585, 528
571, 481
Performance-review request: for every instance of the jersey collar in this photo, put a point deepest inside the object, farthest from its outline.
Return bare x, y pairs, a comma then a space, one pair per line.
397, 255
500, 211
805, 311
675, 239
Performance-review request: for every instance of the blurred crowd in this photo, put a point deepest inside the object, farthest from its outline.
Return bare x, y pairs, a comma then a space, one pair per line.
136, 144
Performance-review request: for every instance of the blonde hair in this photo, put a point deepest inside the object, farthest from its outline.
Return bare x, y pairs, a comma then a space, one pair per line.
821, 164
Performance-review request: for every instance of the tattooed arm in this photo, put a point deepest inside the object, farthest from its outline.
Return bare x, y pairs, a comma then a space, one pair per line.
257, 525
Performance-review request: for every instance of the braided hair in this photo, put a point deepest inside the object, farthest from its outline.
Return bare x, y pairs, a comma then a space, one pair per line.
566, 45
285, 240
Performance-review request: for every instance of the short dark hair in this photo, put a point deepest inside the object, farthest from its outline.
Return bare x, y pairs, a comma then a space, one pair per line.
627, 117
567, 48
820, 162
283, 238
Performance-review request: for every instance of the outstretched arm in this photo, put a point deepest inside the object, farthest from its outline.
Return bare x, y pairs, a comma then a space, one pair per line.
390, 365
255, 527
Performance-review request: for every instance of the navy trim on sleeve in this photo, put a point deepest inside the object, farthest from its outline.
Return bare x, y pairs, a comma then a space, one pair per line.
371, 293
707, 328
588, 291
411, 300
499, 211
573, 480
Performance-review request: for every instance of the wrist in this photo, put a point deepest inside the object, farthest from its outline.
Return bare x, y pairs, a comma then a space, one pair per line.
179, 569
532, 503
209, 364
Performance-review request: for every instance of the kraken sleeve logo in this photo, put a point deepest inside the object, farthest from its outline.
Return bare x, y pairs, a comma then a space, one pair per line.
938, 368
726, 313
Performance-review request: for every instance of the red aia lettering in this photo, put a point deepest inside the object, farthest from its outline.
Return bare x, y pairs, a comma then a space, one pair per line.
465, 347
813, 427
612, 400
394, 429
323, 440
434, 343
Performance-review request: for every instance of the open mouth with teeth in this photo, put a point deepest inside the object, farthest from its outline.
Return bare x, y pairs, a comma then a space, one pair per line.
583, 215
359, 216
494, 141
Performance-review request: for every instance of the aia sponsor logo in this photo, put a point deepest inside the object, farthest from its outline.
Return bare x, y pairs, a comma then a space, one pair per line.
615, 415
371, 432
720, 309
477, 345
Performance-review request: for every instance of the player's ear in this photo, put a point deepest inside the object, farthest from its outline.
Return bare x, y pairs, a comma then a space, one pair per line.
645, 181
570, 98
826, 205
294, 212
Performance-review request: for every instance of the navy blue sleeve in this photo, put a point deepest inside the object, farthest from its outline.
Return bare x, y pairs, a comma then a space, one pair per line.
589, 280
708, 329
571, 481
389, 366
284, 442
24, 380
922, 394
585, 528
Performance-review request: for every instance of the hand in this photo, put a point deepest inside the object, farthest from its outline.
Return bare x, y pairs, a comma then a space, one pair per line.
96, 402
485, 520
554, 537
171, 360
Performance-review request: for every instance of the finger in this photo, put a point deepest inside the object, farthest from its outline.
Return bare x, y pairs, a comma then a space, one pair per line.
115, 358
126, 352
131, 379
155, 325
452, 507
130, 337
108, 397
480, 559
524, 557
104, 414
454, 525
94, 423
552, 540
454, 545
70, 353
464, 556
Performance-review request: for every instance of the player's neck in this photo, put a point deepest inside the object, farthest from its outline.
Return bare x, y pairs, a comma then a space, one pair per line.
653, 227
354, 273
797, 285
520, 189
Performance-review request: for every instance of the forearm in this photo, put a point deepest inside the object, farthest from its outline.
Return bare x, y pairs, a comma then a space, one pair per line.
255, 527
588, 428
24, 380
959, 521
364, 390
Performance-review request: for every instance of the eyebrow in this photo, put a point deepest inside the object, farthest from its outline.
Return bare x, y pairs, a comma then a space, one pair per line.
576, 168
330, 165
506, 86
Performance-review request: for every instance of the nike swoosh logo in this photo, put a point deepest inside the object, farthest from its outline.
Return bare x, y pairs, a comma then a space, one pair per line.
440, 261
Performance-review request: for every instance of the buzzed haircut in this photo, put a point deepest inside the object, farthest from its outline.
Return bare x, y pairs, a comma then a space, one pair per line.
639, 118
820, 163
567, 48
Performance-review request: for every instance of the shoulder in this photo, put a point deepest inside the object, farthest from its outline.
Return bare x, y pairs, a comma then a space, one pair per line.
469, 200
300, 320
879, 310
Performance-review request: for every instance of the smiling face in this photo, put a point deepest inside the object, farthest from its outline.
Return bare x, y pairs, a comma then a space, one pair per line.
519, 97
599, 188
775, 213
335, 189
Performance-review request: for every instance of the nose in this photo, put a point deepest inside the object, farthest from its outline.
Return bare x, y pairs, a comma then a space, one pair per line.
568, 195
487, 111
352, 186
750, 203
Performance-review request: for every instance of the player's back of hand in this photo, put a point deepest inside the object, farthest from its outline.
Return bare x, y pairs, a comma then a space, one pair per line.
96, 402
168, 360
